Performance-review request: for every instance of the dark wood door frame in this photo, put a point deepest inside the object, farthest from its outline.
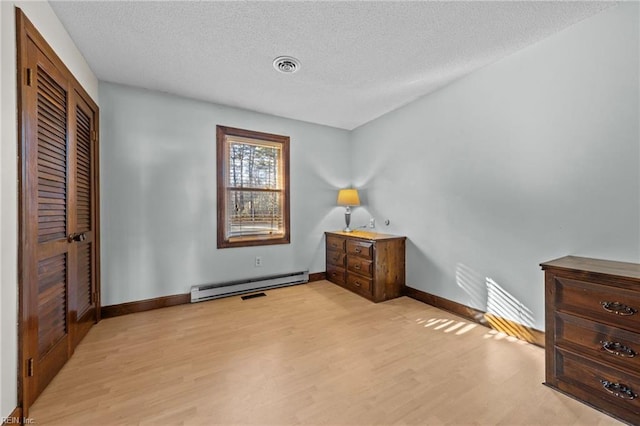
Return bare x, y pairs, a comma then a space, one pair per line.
26, 34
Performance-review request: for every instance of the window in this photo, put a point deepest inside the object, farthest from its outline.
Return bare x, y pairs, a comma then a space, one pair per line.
253, 188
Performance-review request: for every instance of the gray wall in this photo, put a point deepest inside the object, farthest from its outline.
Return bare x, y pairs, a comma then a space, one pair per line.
158, 199
526, 160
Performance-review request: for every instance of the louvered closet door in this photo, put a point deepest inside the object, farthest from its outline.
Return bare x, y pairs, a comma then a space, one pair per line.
47, 261
59, 221
82, 189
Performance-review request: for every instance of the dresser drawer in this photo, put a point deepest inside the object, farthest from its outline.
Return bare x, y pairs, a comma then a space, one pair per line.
360, 284
610, 305
335, 243
360, 248
336, 258
601, 342
360, 266
336, 274
614, 390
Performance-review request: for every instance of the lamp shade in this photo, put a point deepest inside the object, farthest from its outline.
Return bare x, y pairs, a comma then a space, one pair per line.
348, 197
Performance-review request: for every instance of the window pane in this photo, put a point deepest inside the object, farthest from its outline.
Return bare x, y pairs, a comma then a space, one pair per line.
254, 166
257, 213
253, 188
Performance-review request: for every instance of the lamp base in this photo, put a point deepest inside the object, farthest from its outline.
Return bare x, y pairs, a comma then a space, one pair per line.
347, 220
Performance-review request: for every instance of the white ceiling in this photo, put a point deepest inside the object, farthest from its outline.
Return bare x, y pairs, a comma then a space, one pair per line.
359, 59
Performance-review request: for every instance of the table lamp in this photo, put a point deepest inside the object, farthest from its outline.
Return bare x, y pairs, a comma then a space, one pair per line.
348, 197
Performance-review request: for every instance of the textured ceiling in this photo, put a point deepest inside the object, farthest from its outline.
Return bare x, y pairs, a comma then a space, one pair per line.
359, 59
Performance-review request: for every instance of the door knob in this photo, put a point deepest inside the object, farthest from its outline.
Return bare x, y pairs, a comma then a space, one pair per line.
77, 237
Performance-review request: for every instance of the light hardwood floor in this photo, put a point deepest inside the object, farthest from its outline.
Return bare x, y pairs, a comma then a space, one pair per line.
309, 354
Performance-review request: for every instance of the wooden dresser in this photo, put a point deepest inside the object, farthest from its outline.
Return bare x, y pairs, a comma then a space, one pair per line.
369, 264
593, 333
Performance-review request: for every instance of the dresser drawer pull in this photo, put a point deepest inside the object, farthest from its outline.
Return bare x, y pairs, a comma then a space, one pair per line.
619, 390
357, 267
618, 349
357, 283
358, 250
618, 308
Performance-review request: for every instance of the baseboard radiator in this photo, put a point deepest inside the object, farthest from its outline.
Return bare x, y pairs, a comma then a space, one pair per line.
200, 293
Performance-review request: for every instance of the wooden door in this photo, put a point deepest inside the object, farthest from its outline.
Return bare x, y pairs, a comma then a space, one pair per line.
58, 213
82, 189
47, 264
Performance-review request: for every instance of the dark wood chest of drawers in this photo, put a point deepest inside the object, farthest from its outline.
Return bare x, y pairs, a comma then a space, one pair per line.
369, 264
593, 333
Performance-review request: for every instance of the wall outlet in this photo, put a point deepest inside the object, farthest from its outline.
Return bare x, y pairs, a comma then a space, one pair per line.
258, 261
372, 222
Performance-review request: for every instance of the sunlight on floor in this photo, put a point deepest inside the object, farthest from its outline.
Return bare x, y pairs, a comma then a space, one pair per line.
461, 327
499, 335
448, 325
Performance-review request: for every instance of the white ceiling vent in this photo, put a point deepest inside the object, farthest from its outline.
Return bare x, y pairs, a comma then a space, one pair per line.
286, 64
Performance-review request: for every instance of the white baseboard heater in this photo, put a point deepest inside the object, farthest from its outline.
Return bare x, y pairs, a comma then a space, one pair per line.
200, 293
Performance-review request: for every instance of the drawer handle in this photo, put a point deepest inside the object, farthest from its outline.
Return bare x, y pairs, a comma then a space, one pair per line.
616, 348
618, 308
333, 274
357, 283
357, 267
619, 390
357, 250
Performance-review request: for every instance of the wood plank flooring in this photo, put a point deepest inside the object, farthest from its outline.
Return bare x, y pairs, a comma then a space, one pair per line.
309, 354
